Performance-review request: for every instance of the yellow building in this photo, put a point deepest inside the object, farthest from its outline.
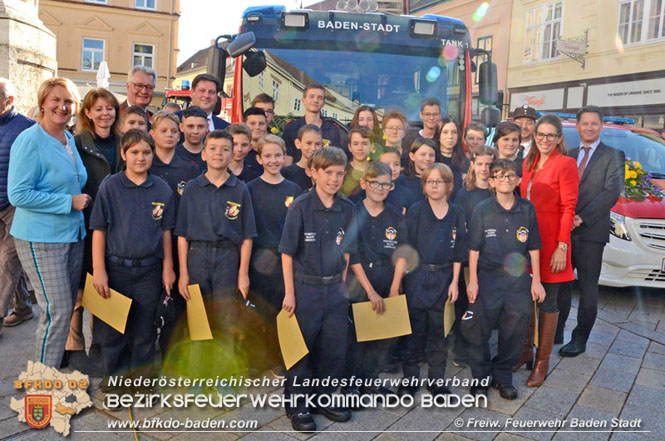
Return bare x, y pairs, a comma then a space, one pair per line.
124, 33
619, 68
490, 29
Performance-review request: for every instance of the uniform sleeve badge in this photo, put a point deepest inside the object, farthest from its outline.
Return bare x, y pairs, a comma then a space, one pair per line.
522, 234
326, 142
232, 210
288, 201
181, 187
38, 410
391, 233
340, 236
157, 210
454, 233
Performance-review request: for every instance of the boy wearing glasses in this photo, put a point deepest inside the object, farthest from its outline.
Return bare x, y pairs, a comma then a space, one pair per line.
377, 267
430, 114
503, 242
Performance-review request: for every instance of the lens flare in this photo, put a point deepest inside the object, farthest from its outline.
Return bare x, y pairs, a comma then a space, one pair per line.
618, 43
450, 52
515, 264
433, 74
481, 11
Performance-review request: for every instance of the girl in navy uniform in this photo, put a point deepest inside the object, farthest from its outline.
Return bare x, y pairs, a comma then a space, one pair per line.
451, 152
422, 154
132, 219
308, 141
503, 236
378, 270
437, 232
507, 138
272, 195
476, 189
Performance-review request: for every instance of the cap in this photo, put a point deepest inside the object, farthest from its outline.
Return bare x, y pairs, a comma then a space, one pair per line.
525, 111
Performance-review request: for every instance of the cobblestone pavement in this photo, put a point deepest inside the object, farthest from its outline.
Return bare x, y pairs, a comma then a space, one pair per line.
621, 375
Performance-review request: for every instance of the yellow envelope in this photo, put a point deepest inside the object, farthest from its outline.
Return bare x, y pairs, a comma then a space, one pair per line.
448, 318
197, 319
466, 275
112, 311
535, 321
394, 321
290, 337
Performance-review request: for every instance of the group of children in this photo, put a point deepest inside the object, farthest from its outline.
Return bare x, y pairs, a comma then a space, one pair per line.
288, 235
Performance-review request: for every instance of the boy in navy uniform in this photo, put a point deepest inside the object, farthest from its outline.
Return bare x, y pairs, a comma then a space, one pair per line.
257, 121
132, 219
377, 268
215, 228
194, 127
503, 235
239, 165
133, 117
437, 232
272, 195
173, 169
308, 141
315, 247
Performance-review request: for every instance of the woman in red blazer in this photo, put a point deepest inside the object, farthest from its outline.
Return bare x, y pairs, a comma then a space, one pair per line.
551, 182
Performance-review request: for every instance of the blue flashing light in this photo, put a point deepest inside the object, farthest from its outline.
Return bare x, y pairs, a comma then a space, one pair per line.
607, 119
266, 11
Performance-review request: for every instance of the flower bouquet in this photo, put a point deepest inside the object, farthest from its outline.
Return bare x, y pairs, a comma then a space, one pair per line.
638, 185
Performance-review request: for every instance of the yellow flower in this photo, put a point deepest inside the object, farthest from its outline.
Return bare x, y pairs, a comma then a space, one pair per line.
632, 174
631, 182
274, 130
637, 164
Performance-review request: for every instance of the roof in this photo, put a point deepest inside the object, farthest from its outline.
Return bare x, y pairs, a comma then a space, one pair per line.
200, 58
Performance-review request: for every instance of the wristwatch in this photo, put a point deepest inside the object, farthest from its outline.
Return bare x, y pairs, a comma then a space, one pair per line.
563, 246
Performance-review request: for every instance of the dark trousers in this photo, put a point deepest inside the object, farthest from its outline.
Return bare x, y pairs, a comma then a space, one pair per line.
507, 305
461, 347
587, 258
322, 315
135, 349
366, 359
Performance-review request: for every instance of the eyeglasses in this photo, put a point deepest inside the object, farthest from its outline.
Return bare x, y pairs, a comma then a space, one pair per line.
141, 86
394, 129
436, 183
510, 177
549, 136
269, 112
431, 115
383, 185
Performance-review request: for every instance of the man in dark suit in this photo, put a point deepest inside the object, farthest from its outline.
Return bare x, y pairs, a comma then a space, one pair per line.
140, 88
205, 88
601, 171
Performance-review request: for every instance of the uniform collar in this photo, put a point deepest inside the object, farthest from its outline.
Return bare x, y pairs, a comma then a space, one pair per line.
318, 205
157, 162
232, 181
499, 209
129, 184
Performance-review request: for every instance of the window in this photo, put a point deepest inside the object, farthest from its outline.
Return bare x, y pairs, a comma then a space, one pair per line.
145, 4
261, 81
275, 90
143, 55
483, 43
632, 17
296, 104
543, 28
92, 54
102, 2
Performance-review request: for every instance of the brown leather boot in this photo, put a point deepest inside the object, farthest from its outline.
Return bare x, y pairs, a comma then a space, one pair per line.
527, 351
546, 330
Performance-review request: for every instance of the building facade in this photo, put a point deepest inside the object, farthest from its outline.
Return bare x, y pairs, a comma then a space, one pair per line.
617, 47
124, 33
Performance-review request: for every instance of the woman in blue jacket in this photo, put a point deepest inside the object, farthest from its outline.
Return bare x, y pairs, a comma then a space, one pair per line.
45, 180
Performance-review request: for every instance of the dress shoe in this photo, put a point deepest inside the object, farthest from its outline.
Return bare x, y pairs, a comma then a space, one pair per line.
303, 422
337, 414
380, 390
506, 392
459, 362
407, 390
16, 319
439, 390
572, 349
478, 391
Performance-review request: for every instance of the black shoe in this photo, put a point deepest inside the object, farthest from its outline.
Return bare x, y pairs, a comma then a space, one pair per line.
337, 414
439, 390
459, 362
572, 349
558, 336
506, 392
478, 391
303, 422
391, 368
407, 390
376, 391
352, 391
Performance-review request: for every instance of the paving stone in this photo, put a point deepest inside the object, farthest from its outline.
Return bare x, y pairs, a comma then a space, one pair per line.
644, 396
581, 363
595, 350
448, 436
656, 348
509, 437
283, 424
361, 422
651, 420
651, 378
415, 424
629, 436
632, 348
568, 381
554, 401
578, 436
266, 435
607, 400
386, 437
603, 337
530, 414
579, 415
654, 361
613, 379
479, 433
621, 363
204, 436
509, 407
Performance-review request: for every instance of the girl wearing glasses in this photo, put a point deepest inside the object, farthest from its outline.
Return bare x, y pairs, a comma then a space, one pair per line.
437, 232
377, 268
551, 182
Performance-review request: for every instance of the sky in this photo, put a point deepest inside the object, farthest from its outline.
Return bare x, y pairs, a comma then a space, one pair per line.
203, 20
